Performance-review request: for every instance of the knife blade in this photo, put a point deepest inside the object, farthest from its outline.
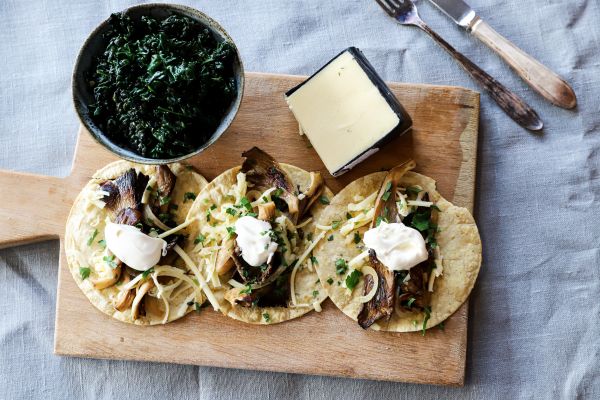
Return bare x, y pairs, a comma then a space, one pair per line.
543, 80
459, 11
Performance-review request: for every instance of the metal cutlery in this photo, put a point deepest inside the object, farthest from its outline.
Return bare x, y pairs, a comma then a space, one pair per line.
405, 12
539, 77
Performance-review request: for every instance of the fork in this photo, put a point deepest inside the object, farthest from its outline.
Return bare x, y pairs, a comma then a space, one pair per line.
405, 12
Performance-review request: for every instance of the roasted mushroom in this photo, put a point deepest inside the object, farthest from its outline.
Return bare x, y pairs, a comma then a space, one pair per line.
141, 292
311, 193
251, 274
266, 211
125, 297
124, 192
382, 304
263, 172
113, 278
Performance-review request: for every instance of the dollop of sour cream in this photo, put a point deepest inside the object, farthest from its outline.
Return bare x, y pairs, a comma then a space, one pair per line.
133, 247
396, 245
254, 240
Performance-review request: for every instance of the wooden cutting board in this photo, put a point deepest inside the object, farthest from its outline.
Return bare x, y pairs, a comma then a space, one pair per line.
444, 144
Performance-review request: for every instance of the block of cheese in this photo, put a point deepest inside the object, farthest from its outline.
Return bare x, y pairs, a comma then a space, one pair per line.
346, 111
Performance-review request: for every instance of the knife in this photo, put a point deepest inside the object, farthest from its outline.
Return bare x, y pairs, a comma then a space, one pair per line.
539, 77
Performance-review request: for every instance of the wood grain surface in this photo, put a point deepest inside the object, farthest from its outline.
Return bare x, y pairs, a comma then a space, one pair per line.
444, 144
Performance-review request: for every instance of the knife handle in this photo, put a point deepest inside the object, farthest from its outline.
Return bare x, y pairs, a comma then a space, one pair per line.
539, 77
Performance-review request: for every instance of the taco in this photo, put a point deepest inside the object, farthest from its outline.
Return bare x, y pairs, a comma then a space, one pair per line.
122, 241
252, 236
401, 258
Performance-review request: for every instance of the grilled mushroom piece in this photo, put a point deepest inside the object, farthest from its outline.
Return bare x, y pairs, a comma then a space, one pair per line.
141, 292
382, 304
129, 216
225, 257
251, 274
263, 172
125, 192
312, 192
165, 182
125, 297
416, 288
110, 280
275, 295
266, 211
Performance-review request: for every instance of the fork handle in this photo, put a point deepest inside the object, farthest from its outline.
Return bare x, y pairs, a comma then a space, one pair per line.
512, 104
538, 76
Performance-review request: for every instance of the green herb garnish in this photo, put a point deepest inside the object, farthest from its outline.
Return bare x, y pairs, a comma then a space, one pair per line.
110, 260
413, 190
330, 238
315, 293
244, 202
352, 279
411, 300
102, 243
335, 224
330, 280
231, 230
323, 200
165, 200
231, 211
314, 260
84, 272
356, 238
427, 312
189, 196
161, 86
341, 266
387, 192
147, 272
92, 237
267, 317
348, 215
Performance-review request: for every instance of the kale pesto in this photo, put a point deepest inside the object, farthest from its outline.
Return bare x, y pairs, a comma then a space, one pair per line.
161, 87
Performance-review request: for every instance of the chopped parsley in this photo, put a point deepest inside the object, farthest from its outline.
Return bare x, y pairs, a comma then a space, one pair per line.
348, 215
147, 272
335, 224
315, 293
246, 203
277, 192
173, 206
197, 307
110, 260
92, 237
102, 243
413, 190
352, 279
330, 280
231, 211
427, 311
266, 317
436, 208
309, 236
411, 300
330, 238
231, 230
200, 239
341, 266
387, 192
165, 200
379, 220
84, 272
246, 290
420, 220
356, 237
213, 207
324, 200
314, 260
164, 217
189, 196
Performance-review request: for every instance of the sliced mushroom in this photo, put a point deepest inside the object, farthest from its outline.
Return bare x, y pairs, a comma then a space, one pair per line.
141, 292
113, 278
165, 181
224, 257
129, 216
312, 193
263, 172
125, 297
266, 211
125, 192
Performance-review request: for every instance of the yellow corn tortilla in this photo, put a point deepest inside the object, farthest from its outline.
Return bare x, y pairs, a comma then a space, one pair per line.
458, 241
85, 217
306, 282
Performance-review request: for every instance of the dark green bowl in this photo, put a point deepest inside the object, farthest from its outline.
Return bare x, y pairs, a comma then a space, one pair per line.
95, 44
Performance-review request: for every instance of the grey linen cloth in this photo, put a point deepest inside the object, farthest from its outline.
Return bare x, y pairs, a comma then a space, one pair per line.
535, 312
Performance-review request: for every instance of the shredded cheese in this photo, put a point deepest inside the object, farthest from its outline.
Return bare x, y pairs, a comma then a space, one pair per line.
209, 294
304, 223
357, 221
235, 284
177, 228
365, 204
358, 259
419, 203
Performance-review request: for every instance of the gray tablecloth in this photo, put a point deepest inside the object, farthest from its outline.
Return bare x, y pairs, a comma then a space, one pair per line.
535, 312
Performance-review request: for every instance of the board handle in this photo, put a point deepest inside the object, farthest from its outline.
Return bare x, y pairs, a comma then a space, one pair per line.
32, 207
